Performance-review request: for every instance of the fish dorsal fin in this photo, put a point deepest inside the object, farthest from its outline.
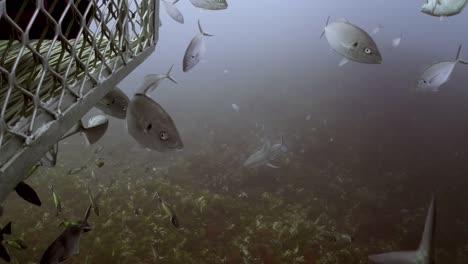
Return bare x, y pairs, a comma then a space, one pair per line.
425, 247
457, 58
326, 24
201, 30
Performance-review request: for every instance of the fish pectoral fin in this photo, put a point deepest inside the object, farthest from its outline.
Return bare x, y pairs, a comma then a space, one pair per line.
433, 78
272, 166
343, 61
346, 45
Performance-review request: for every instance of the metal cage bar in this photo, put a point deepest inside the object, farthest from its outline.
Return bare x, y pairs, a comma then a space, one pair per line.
57, 59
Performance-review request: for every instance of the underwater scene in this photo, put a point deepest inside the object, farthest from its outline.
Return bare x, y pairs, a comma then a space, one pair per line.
266, 132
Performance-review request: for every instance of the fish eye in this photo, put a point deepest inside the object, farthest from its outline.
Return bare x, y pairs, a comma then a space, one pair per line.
164, 135
367, 50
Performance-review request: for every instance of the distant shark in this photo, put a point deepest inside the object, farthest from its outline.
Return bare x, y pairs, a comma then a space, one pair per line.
423, 255
265, 155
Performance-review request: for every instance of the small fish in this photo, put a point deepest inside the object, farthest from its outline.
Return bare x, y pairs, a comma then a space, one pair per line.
114, 103
27, 193
150, 125
6, 230
235, 107
173, 11
68, 243
95, 130
437, 74
195, 51
50, 158
77, 170
93, 200
396, 41
16, 244
152, 81
443, 8
265, 155
423, 255
210, 4
352, 42
57, 202
168, 210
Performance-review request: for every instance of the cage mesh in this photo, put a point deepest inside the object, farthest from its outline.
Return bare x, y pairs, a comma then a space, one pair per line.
53, 49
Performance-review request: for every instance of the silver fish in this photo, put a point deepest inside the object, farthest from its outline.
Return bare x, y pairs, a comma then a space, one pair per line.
173, 11
114, 103
210, 4
152, 81
68, 243
50, 158
443, 8
265, 155
351, 42
423, 255
95, 130
196, 50
396, 41
149, 124
437, 74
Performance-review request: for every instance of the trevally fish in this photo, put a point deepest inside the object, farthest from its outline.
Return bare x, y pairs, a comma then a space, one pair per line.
210, 4
152, 81
27, 193
68, 243
173, 11
57, 202
437, 74
114, 103
196, 50
168, 210
265, 155
6, 230
95, 130
235, 107
50, 158
443, 8
423, 255
396, 41
149, 124
352, 42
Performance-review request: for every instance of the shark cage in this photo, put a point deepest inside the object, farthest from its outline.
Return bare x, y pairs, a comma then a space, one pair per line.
57, 59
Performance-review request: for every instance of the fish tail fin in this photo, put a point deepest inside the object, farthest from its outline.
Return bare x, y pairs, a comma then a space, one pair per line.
284, 147
201, 30
168, 75
88, 212
429, 228
326, 24
459, 52
6, 230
